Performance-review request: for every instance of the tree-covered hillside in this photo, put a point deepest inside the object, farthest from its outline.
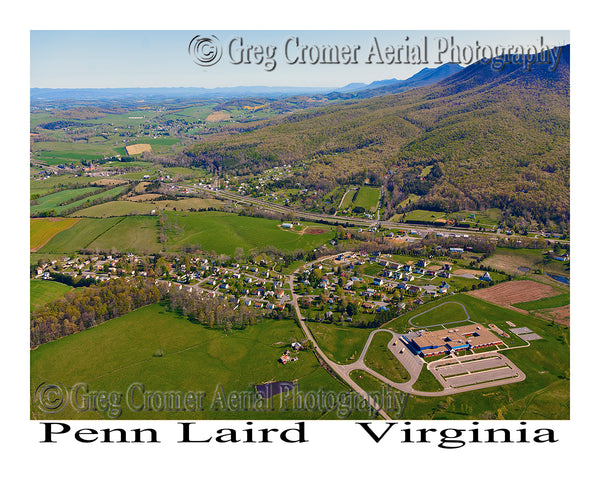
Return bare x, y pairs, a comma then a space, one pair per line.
492, 139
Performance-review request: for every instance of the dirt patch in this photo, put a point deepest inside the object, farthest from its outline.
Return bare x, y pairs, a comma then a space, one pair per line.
560, 315
516, 291
144, 197
464, 271
314, 231
108, 181
219, 116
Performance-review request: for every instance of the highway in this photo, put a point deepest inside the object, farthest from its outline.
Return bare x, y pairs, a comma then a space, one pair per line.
338, 219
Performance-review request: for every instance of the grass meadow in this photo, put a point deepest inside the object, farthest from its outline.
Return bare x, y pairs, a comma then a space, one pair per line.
123, 351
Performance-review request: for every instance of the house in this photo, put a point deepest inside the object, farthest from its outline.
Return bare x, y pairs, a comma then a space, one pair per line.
296, 346
456, 250
486, 277
423, 263
377, 281
279, 294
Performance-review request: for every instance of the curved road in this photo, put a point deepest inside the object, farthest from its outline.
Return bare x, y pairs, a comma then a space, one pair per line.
411, 363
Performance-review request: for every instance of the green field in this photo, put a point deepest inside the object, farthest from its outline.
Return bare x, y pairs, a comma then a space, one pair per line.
108, 194
509, 260
427, 382
341, 344
446, 312
41, 230
368, 198
44, 291
224, 232
52, 201
380, 359
116, 208
374, 386
423, 216
130, 234
123, 351
348, 199
550, 302
79, 236
43, 187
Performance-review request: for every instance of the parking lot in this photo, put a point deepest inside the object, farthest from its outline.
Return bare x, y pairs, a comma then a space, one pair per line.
474, 370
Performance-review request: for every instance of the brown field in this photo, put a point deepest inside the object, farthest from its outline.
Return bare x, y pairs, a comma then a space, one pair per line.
314, 231
144, 197
516, 291
219, 116
108, 181
141, 187
138, 148
464, 271
41, 230
559, 314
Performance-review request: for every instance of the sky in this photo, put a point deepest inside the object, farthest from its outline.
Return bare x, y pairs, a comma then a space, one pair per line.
160, 58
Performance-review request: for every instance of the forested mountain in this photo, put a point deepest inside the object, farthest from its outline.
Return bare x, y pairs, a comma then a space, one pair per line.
492, 139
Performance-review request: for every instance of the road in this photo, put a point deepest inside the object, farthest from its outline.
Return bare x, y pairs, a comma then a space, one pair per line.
412, 363
335, 219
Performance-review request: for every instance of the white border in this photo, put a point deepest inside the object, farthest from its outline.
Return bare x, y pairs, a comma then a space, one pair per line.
334, 447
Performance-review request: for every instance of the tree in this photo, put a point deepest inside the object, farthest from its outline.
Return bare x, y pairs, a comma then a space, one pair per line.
352, 309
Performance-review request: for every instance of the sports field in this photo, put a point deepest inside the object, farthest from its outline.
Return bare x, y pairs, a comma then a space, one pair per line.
123, 351
41, 230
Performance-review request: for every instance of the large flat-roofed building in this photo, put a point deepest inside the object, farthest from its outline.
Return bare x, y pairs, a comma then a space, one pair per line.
448, 340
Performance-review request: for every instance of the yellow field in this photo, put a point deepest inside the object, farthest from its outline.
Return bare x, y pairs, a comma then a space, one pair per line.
138, 148
41, 230
219, 116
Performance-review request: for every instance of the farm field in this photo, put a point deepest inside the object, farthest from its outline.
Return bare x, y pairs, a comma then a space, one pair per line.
44, 186
368, 198
510, 260
41, 230
44, 291
516, 291
79, 236
120, 352
112, 193
423, 216
116, 208
130, 234
52, 201
224, 232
